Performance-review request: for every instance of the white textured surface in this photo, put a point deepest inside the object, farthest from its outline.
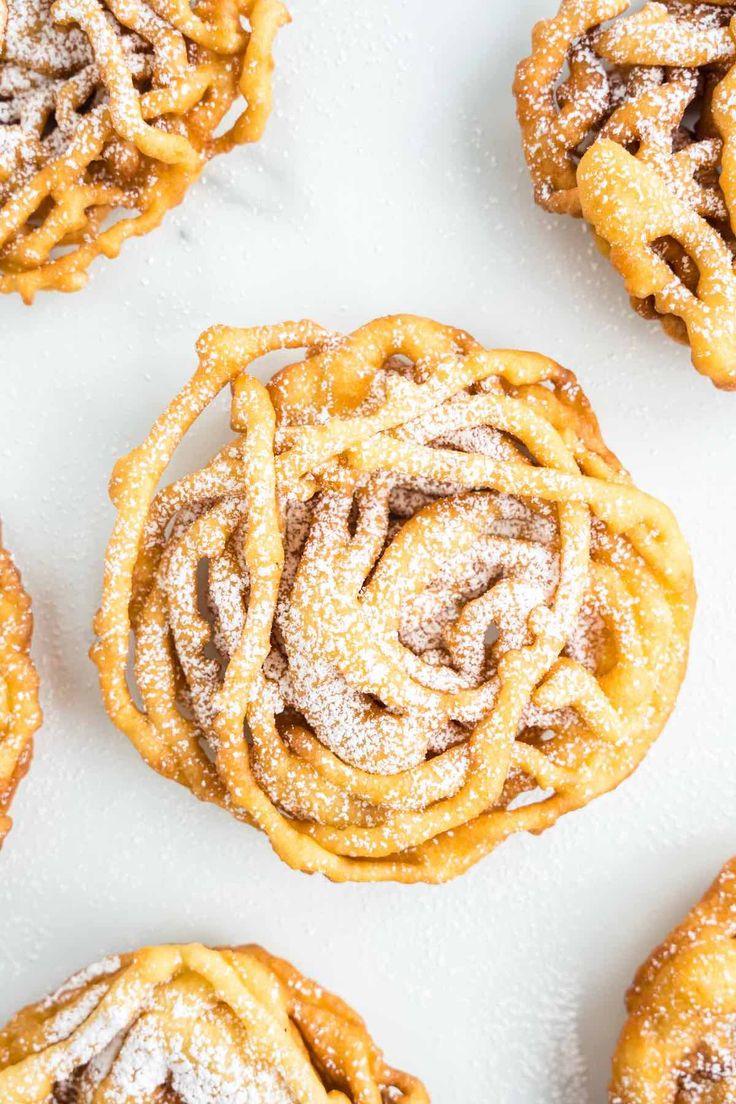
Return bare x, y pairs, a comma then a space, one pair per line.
390, 179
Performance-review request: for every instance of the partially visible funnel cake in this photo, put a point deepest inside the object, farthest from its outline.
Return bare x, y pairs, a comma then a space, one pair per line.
20, 714
194, 1025
109, 110
415, 605
628, 118
678, 1045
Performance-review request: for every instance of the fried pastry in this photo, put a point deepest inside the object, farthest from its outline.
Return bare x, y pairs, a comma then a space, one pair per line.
629, 119
193, 1025
415, 605
20, 714
678, 1045
109, 110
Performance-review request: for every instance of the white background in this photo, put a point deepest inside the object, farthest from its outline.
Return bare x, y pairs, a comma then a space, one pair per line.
390, 179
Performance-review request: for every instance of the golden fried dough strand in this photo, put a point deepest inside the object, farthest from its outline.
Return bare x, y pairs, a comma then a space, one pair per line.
632, 209
556, 121
686, 34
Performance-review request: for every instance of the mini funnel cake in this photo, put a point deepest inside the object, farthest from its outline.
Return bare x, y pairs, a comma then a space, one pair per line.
20, 714
414, 606
109, 110
679, 1043
632, 124
191, 1025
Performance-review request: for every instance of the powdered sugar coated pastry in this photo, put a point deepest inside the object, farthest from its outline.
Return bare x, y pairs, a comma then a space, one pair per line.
115, 106
193, 1025
629, 119
678, 1045
20, 714
414, 606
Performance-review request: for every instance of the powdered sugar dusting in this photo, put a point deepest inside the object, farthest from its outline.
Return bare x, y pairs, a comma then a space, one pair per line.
176, 1039
340, 614
625, 123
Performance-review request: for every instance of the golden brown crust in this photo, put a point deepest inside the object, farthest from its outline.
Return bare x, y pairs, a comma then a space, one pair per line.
382, 505
166, 1019
114, 106
638, 136
678, 1045
556, 119
20, 713
631, 207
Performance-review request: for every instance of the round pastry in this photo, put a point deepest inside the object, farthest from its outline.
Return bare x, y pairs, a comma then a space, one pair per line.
678, 1045
113, 107
20, 714
413, 606
192, 1025
632, 124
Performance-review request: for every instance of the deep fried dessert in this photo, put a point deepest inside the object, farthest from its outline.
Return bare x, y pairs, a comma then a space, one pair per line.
194, 1025
109, 110
413, 606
